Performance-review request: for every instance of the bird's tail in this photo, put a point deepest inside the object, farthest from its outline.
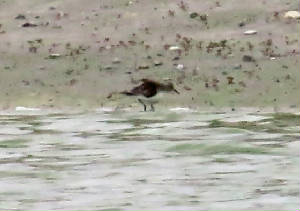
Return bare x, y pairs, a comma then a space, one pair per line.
110, 95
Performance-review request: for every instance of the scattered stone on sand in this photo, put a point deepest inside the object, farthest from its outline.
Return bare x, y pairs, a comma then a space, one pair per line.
32, 49
61, 14
20, 17
21, 108
241, 24
242, 84
129, 3
187, 88
194, 15
52, 8
292, 14
174, 48
237, 67
180, 67
109, 95
157, 63
250, 32
230, 80
224, 73
28, 24
247, 58
143, 67
54, 56
203, 17
176, 58
25, 82
73, 82
69, 72
107, 67
116, 60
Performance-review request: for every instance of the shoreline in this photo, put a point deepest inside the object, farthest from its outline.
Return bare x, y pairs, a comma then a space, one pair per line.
20, 110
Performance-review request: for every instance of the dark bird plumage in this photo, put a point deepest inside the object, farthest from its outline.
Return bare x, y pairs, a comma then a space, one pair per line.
149, 89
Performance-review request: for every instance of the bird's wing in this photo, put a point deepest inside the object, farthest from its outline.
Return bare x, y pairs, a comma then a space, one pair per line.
147, 89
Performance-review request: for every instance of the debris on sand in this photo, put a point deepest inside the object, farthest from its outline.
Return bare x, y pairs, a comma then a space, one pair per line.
73, 82
230, 80
116, 60
20, 17
158, 63
28, 24
203, 17
292, 14
241, 24
54, 56
143, 67
250, 32
187, 88
107, 67
194, 15
174, 48
247, 58
180, 67
237, 66
21, 108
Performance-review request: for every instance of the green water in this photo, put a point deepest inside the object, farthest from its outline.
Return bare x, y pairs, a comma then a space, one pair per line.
129, 160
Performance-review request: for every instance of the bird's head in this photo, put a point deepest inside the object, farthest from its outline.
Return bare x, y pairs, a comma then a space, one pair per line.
170, 87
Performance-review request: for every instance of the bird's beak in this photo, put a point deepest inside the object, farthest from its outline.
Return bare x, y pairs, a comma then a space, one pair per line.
176, 91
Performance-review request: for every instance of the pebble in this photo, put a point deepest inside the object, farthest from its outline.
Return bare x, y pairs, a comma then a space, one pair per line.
158, 63
107, 67
54, 56
20, 17
292, 14
143, 67
174, 48
29, 24
250, 32
247, 58
194, 15
241, 24
180, 67
116, 61
21, 108
237, 67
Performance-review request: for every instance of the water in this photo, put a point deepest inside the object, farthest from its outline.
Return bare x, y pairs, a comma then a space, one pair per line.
129, 160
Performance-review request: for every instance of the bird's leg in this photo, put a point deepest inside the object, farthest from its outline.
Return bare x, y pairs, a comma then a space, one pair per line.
145, 107
152, 107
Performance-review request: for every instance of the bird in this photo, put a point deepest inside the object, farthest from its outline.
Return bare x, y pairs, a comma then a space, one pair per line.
148, 90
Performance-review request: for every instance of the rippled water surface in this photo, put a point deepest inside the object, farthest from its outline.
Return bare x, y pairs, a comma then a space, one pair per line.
149, 161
